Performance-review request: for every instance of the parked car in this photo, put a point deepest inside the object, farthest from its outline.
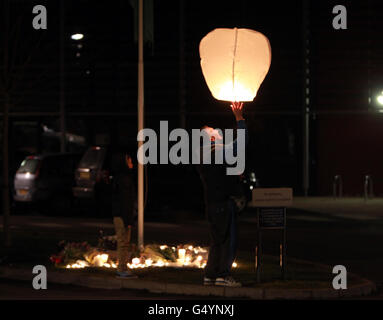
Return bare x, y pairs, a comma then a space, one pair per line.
92, 175
45, 177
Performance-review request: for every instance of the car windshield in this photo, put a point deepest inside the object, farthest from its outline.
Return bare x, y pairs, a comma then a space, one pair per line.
29, 165
92, 158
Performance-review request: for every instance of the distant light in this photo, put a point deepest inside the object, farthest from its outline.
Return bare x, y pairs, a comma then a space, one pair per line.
380, 98
77, 36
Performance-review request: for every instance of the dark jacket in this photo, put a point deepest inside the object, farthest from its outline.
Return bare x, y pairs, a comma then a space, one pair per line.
123, 190
218, 186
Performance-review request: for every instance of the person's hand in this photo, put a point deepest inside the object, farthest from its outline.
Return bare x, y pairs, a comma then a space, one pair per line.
237, 110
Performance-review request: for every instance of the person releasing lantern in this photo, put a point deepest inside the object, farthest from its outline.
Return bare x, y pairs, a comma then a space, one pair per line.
221, 210
234, 63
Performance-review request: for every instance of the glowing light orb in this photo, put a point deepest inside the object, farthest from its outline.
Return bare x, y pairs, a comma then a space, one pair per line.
380, 99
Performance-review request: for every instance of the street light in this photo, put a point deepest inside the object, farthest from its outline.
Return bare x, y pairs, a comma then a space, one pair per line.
77, 36
379, 98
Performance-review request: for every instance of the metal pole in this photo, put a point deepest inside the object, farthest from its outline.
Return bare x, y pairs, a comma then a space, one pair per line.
259, 257
368, 187
182, 67
62, 80
258, 251
284, 248
337, 182
5, 182
140, 194
305, 96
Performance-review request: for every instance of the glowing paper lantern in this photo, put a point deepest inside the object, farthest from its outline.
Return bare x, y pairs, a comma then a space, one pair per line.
234, 63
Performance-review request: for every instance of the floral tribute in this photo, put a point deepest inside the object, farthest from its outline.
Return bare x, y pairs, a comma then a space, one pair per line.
76, 255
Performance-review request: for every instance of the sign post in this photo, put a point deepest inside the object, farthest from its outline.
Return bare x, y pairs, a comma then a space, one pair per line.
271, 206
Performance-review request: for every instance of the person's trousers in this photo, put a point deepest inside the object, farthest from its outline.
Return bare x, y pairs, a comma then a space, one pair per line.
223, 232
123, 241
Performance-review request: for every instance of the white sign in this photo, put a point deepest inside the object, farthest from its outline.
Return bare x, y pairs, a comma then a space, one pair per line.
272, 197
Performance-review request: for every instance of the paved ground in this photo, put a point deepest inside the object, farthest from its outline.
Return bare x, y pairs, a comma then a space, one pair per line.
353, 208
22, 290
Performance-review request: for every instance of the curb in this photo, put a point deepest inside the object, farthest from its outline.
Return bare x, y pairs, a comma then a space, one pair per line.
367, 287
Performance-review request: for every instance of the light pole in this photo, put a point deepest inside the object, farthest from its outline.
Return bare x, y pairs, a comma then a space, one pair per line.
140, 105
62, 80
306, 98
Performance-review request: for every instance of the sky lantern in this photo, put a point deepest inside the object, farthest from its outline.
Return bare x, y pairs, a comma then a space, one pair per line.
234, 63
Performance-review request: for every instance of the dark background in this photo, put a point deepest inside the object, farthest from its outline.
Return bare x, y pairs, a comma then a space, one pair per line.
345, 71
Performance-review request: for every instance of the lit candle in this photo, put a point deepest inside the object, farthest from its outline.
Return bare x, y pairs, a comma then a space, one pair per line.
97, 261
181, 255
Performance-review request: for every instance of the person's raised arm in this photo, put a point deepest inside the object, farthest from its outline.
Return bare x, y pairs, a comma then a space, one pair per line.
237, 110
236, 107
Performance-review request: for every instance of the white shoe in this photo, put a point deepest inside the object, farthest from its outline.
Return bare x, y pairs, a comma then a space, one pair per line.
227, 282
208, 281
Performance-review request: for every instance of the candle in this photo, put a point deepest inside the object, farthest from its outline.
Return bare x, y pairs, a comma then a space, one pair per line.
181, 255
